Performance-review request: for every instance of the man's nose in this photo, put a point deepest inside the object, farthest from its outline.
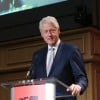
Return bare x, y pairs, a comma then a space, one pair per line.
49, 32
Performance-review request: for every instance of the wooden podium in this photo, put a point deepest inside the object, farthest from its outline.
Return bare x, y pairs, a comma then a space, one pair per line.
40, 89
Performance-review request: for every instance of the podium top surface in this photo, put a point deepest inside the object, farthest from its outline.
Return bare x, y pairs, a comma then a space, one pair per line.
11, 84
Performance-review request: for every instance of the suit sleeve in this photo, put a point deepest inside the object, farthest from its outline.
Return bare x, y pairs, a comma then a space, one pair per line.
78, 69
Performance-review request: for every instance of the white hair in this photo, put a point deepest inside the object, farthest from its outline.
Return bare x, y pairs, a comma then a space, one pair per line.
49, 20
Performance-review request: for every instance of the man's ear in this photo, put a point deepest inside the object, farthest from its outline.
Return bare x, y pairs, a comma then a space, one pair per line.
41, 34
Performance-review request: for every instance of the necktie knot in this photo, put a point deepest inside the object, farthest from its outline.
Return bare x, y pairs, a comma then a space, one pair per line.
51, 49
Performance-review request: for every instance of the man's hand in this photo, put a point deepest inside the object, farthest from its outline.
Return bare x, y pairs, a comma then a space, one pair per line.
74, 89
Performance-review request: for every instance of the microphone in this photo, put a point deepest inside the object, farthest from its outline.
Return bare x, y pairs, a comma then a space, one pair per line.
28, 73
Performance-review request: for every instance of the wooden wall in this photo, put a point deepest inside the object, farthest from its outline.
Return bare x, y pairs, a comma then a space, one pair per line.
16, 56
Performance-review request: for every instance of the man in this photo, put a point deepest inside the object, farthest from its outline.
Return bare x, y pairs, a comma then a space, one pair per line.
67, 65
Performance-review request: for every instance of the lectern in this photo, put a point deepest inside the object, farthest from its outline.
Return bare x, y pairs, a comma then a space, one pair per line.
38, 89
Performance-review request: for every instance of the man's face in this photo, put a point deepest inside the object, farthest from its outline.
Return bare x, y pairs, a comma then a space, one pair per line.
50, 34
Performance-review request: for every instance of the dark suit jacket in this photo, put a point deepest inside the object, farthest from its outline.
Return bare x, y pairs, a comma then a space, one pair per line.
67, 67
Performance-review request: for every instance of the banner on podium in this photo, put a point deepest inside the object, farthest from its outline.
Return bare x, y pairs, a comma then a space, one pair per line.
34, 92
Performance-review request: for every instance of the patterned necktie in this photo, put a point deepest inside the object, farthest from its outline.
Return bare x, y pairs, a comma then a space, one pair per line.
50, 60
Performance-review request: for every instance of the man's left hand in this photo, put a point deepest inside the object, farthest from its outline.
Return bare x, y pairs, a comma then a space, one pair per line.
74, 89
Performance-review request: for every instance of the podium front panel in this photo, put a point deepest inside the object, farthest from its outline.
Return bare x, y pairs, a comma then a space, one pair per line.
34, 92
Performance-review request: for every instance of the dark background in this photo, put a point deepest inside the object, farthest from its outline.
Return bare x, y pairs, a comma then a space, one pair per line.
70, 14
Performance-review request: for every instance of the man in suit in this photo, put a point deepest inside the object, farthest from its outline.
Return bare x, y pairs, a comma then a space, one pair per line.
67, 65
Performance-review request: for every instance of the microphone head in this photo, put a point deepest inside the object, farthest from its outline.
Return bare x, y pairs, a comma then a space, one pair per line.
28, 74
